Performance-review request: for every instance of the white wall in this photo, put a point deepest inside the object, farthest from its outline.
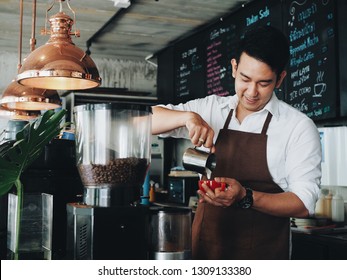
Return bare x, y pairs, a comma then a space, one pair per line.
134, 75
334, 160
8, 69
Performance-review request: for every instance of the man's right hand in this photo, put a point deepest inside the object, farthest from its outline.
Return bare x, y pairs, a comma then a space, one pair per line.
200, 133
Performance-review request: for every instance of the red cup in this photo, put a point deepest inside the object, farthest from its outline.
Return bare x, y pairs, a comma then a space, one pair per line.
212, 184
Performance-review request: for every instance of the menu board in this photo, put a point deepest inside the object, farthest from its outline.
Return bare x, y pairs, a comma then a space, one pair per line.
311, 77
223, 37
219, 51
189, 61
202, 62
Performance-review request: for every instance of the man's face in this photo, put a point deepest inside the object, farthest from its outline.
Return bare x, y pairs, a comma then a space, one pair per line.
254, 83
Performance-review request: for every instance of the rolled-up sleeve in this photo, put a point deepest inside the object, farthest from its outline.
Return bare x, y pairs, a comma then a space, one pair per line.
203, 107
303, 163
181, 132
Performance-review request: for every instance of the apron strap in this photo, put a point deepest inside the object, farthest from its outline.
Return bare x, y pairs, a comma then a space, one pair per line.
266, 124
265, 127
226, 124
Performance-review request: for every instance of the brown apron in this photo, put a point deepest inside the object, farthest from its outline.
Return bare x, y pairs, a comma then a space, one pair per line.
232, 232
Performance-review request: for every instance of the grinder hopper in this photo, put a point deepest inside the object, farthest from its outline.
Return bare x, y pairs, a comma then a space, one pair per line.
112, 151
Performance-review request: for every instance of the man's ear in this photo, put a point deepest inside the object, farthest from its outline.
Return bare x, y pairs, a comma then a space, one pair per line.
280, 79
234, 67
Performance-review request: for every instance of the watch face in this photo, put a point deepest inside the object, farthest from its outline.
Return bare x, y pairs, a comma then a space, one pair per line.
247, 201
246, 204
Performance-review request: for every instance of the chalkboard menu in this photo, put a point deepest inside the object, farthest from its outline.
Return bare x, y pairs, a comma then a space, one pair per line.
219, 50
311, 78
223, 37
202, 62
189, 64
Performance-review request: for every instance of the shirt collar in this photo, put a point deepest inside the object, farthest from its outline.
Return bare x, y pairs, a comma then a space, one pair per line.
272, 106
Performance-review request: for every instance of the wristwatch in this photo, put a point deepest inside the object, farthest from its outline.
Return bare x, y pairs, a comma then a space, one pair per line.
247, 201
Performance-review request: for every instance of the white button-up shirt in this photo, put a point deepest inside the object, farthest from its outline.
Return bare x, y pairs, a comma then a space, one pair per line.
293, 147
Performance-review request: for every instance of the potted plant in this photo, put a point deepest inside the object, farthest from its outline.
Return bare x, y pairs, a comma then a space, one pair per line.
16, 156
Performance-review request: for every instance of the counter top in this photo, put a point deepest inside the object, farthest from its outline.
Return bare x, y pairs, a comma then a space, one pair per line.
329, 229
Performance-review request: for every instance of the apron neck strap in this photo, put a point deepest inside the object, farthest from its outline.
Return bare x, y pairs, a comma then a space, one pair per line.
226, 124
265, 127
266, 124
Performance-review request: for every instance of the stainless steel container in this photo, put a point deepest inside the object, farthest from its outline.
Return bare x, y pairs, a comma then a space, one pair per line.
170, 233
13, 127
199, 161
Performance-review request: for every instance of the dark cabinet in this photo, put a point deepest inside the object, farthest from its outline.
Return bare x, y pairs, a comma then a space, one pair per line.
319, 246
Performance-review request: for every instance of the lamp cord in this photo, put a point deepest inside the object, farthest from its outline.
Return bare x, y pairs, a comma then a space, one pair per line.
20, 35
33, 25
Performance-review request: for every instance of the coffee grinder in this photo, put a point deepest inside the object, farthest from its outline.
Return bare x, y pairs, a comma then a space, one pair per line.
113, 156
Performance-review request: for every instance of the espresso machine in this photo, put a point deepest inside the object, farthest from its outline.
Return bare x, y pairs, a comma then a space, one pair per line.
113, 156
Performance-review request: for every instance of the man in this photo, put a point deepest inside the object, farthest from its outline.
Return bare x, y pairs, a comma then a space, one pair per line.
267, 152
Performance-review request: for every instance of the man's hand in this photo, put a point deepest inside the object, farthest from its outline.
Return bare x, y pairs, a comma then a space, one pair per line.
200, 133
223, 198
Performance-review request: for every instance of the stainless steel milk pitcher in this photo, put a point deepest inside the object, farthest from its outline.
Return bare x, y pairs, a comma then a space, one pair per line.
199, 161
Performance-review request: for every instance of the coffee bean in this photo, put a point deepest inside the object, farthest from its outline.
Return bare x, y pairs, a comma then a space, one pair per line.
131, 171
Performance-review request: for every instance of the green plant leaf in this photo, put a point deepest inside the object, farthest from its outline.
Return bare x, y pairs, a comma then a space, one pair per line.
16, 156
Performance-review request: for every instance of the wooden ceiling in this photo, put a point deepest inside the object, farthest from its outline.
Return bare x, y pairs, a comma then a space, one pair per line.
136, 32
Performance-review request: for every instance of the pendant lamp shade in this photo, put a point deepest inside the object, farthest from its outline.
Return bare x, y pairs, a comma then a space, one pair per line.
17, 100
59, 64
18, 114
18, 97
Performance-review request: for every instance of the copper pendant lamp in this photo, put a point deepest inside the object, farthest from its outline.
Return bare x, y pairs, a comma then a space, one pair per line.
18, 114
59, 64
18, 97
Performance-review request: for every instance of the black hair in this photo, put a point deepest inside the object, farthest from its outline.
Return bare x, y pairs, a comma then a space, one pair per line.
266, 44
